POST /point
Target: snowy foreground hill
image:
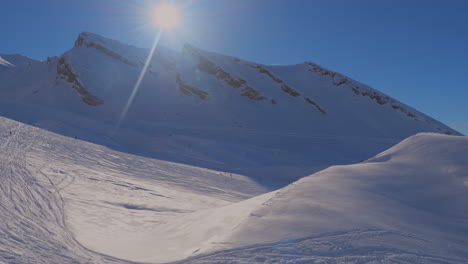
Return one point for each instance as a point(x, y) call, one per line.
point(68, 201)
point(273, 123)
point(211, 164)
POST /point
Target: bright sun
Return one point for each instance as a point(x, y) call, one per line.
point(167, 16)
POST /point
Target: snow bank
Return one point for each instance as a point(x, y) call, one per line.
point(406, 205)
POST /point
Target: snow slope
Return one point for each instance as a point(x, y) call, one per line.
point(32, 226)
point(63, 200)
point(406, 205)
point(52, 185)
point(273, 123)
point(15, 60)
point(214, 136)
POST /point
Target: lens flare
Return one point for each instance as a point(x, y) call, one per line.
point(138, 83)
point(166, 16)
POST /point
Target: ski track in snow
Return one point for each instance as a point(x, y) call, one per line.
point(359, 246)
point(33, 228)
point(64, 200)
point(42, 174)
point(55, 189)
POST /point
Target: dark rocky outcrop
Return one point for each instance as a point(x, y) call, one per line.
point(190, 90)
point(379, 98)
point(312, 102)
point(207, 66)
point(339, 79)
point(286, 88)
point(65, 72)
point(253, 94)
point(81, 41)
point(355, 90)
point(289, 90)
point(267, 72)
point(404, 110)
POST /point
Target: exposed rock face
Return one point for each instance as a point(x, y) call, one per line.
point(339, 79)
point(376, 96)
point(382, 99)
point(286, 88)
point(209, 67)
point(267, 72)
point(312, 102)
point(253, 94)
point(81, 41)
point(289, 90)
point(205, 65)
point(190, 90)
point(65, 72)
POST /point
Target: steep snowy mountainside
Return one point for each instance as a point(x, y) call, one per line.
point(187, 86)
point(210, 110)
point(14, 60)
point(22, 78)
point(5, 63)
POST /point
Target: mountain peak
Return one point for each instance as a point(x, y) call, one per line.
point(307, 96)
point(85, 38)
point(110, 47)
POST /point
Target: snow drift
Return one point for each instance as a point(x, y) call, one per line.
point(406, 205)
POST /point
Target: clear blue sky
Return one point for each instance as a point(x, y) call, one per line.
point(413, 50)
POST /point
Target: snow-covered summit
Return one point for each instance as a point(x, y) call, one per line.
point(213, 106)
point(231, 138)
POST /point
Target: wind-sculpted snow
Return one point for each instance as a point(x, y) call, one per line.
point(406, 205)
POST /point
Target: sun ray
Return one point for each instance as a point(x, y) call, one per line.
point(138, 82)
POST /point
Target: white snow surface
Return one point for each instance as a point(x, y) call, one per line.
point(275, 124)
point(205, 167)
point(3, 62)
point(68, 201)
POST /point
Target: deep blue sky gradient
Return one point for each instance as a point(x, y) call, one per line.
point(415, 50)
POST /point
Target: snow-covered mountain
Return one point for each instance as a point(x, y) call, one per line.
point(68, 201)
point(206, 109)
point(220, 144)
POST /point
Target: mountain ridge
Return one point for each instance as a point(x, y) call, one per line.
point(114, 49)
point(219, 160)
point(248, 115)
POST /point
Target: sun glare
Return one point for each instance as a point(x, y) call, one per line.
point(167, 16)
